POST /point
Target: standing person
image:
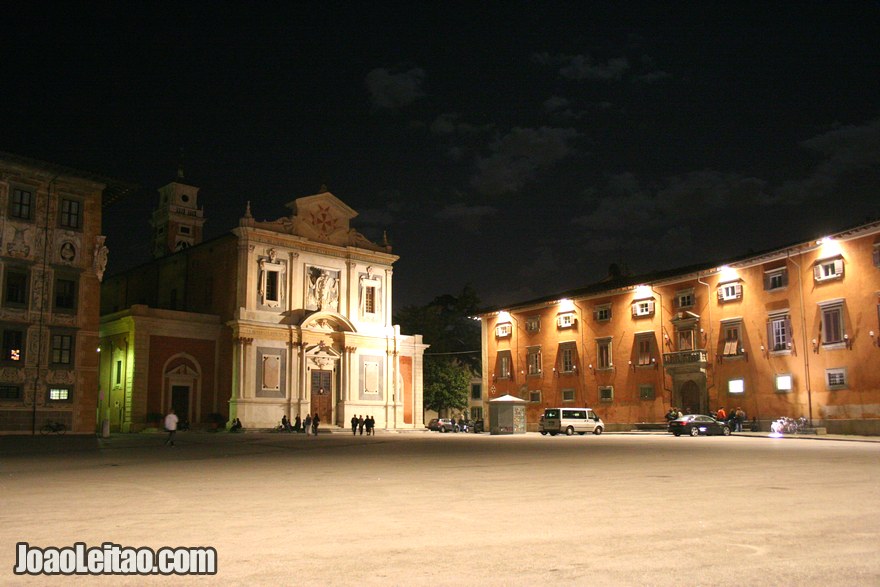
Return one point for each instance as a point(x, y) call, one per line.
point(369, 423)
point(307, 424)
point(738, 418)
point(361, 425)
point(297, 424)
point(721, 415)
point(171, 426)
point(315, 421)
point(354, 424)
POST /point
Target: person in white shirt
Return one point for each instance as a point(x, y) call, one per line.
point(171, 427)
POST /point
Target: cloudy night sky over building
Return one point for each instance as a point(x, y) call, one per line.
point(520, 147)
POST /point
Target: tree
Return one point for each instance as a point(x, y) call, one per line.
point(446, 384)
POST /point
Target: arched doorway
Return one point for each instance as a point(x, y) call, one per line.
point(690, 397)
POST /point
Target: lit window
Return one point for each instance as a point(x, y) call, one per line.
point(13, 344)
point(828, 269)
point(729, 291)
point(502, 330)
point(370, 300)
point(642, 308)
point(736, 386)
point(779, 332)
point(784, 382)
point(59, 394)
point(565, 320)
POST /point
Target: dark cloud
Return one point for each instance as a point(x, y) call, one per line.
point(517, 157)
point(581, 67)
point(395, 90)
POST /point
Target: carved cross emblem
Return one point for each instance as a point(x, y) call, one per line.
point(323, 220)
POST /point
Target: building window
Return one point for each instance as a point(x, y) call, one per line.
point(21, 204)
point(606, 394)
point(16, 289)
point(502, 330)
point(184, 230)
point(828, 269)
point(603, 353)
point(779, 332)
point(602, 313)
point(271, 291)
point(62, 349)
point(684, 298)
point(535, 397)
point(645, 349)
point(533, 360)
point(685, 338)
point(641, 308)
point(504, 366)
point(731, 331)
point(370, 300)
point(835, 378)
point(876, 255)
point(59, 394)
point(10, 392)
point(13, 345)
point(784, 382)
point(65, 294)
point(566, 362)
point(832, 323)
point(736, 386)
point(565, 320)
point(646, 392)
point(476, 391)
point(269, 286)
point(71, 216)
point(776, 278)
point(728, 292)
point(118, 373)
point(476, 413)
point(568, 395)
point(533, 324)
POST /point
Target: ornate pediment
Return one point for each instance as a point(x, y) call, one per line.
point(322, 356)
point(326, 322)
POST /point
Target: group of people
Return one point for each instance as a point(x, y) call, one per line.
point(359, 424)
point(309, 425)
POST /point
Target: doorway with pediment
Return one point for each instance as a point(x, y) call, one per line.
point(322, 380)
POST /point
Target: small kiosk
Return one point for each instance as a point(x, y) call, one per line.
point(507, 415)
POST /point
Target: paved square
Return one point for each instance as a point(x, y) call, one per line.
point(431, 509)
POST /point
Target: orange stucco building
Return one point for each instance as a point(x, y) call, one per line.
point(789, 332)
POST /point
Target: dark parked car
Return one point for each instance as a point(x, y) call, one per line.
point(696, 424)
point(442, 425)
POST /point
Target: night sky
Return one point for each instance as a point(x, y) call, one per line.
point(520, 147)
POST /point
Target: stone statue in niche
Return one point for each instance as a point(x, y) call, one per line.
point(19, 246)
point(323, 289)
point(101, 253)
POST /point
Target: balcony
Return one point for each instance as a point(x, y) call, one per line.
point(694, 358)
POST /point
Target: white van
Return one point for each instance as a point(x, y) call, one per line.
point(571, 420)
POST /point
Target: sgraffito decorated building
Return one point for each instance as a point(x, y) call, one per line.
point(52, 258)
point(279, 318)
point(791, 332)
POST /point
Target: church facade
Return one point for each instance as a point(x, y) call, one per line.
point(275, 318)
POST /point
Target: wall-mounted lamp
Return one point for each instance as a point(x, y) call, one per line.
point(763, 352)
point(590, 367)
point(654, 362)
point(631, 366)
point(555, 372)
point(874, 340)
point(847, 341)
point(815, 346)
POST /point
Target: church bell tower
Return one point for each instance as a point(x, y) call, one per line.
point(177, 221)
